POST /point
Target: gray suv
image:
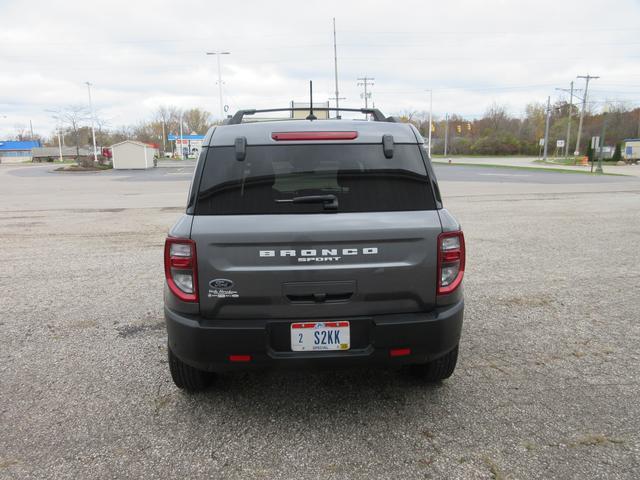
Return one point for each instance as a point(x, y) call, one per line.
point(313, 242)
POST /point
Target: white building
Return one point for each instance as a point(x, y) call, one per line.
point(133, 155)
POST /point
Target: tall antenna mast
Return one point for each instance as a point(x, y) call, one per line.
point(335, 67)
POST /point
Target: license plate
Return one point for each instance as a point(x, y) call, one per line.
point(315, 336)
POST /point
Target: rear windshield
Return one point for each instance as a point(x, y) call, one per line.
point(314, 178)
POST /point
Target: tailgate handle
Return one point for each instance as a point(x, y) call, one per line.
point(320, 297)
point(319, 292)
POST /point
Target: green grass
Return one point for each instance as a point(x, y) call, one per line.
point(558, 161)
point(537, 169)
point(477, 155)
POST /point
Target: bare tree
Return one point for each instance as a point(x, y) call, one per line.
point(497, 117)
point(169, 120)
point(73, 116)
point(21, 131)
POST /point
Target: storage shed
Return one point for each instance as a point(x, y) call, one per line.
point(132, 155)
point(631, 150)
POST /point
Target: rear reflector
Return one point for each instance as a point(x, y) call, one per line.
point(293, 136)
point(239, 358)
point(399, 352)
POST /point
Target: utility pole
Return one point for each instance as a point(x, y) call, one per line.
point(546, 129)
point(93, 130)
point(430, 119)
point(571, 95)
point(446, 133)
point(217, 54)
point(366, 82)
point(587, 77)
point(31, 128)
point(335, 68)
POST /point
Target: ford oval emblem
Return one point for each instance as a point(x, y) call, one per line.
point(221, 284)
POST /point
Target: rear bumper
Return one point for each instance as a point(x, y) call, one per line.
point(206, 344)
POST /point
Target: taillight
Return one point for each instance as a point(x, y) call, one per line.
point(451, 259)
point(181, 268)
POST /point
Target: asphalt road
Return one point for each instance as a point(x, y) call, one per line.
point(547, 383)
point(177, 170)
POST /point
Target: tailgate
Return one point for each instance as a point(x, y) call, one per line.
point(316, 266)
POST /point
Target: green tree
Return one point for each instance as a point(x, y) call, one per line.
point(617, 155)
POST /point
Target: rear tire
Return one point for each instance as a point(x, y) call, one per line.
point(186, 377)
point(438, 369)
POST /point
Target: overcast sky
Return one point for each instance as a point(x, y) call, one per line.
point(143, 54)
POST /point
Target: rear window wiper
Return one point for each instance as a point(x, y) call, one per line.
point(330, 202)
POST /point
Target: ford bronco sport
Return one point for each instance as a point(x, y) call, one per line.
point(313, 242)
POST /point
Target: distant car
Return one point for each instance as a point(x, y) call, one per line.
point(313, 242)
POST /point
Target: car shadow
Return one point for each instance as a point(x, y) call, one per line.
point(313, 396)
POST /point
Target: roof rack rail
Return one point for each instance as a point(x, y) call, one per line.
point(377, 115)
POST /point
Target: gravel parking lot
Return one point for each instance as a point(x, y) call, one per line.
point(547, 384)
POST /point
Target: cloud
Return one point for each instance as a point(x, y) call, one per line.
point(139, 55)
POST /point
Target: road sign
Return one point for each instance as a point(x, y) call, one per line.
point(541, 142)
point(595, 142)
point(559, 143)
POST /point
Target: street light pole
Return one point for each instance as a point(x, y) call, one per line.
point(217, 54)
point(93, 130)
point(181, 140)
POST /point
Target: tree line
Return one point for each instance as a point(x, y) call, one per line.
point(499, 133)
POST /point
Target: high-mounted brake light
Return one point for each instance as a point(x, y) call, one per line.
point(451, 259)
point(181, 268)
point(293, 136)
